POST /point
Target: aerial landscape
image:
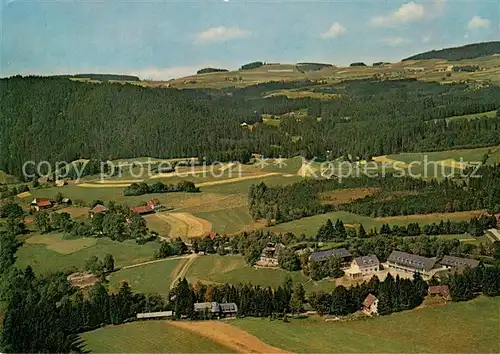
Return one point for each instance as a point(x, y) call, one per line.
point(265, 177)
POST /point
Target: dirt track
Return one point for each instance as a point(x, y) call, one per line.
point(227, 335)
point(237, 179)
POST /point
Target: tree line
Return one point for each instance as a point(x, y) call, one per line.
point(159, 187)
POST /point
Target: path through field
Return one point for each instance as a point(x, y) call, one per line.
point(237, 179)
point(181, 269)
point(227, 335)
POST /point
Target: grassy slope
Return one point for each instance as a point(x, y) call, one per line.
point(228, 221)
point(44, 260)
point(233, 270)
point(458, 327)
point(149, 278)
point(148, 337)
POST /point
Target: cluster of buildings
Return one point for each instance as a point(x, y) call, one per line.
point(151, 206)
point(45, 203)
point(213, 309)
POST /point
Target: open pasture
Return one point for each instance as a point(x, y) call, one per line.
point(472, 328)
point(149, 278)
point(229, 220)
point(233, 269)
point(43, 259)
point(149, 337)
point(57, 243)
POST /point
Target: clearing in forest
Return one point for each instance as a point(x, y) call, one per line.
point(342, 196)
point(227, 335)
point(237, 179)
point(434, 217)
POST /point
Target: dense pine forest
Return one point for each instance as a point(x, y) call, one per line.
point(469, 51)
point(393, 196)
point(56, 119)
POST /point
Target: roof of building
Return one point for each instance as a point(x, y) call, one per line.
point(324, 255)
point(229, 307)
point(411, 260)
point(369, 300)
point(452, 261)
point(99, 208)
point(442, 290)
point(66, 200)
point(272, 249)
point(143, 209)
point(367, 261)
point(202, 306)
point(41, 202)
point(155, 314)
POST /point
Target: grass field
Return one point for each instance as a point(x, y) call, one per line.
point(43, 259)
point(458, 327)
point(149, 337)
point(233, 269)
point(148, 278)
point(472, 116)
point(228, 221)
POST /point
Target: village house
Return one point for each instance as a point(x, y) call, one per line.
point(270, 254)
point(66, 201)
point(411, 263)
point(41, 204)
point(60, 183)
point(441, 291)
point(150, 207)
point(341, 253)
point(215, 308)
point(454, 262)
point(370, 305)
point(98, 209)
point(363, 266)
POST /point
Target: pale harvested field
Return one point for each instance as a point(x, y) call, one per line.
point(104, 185)
point(23, 195)
point(459, 215)
point(454, 164)
point(56, 244)
point(185, 225)
point(388, 161)
point(237, 179)
point(121, 181)
point(227, 335)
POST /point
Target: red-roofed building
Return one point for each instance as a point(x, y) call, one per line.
point(212, 235)
point(148, 208)
point(98, 209)
point(441, 291)
point(370, 305)
point(41, 203)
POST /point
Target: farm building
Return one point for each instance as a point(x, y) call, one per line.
point(41, 204)
point(362, 266)
point(155, 315)
point(452, 262)
point(411, 263)
point(341, 253)
point(269, 255)
point(215, 308)
point(67, 201)
point(150, 207)
point(98, 209)
point(370, 305)
point(60, 183)
point(440, 291)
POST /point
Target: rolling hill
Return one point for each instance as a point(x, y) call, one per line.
point(469, 51)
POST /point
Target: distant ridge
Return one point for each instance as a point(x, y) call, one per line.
point(102, 77)
point(469, 51)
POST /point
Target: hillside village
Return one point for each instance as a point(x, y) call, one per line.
point(274, 208)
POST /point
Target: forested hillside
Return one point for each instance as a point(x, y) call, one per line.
point(469, 51)
point(57, 119)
